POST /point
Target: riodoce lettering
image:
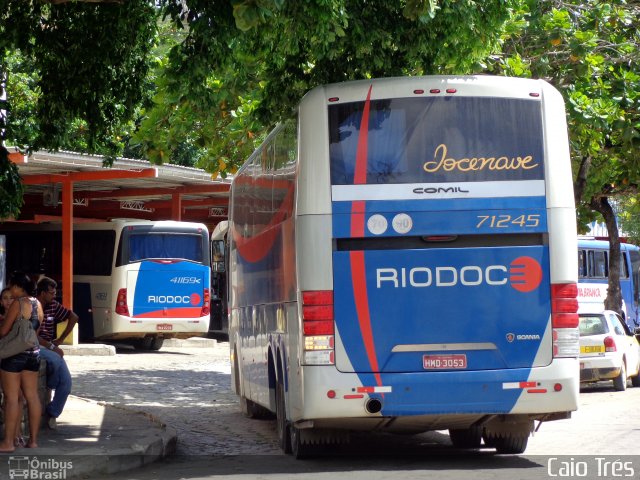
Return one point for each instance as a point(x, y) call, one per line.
point(442, 162)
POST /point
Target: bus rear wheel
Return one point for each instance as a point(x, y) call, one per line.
point(299, 449)
point(282, 425)
point(466, 437)
point(156, 343)
point(511, 443)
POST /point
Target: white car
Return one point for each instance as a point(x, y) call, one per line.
point(608, 350)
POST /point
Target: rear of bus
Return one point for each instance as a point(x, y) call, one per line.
point(449, 227)
point(161, 281)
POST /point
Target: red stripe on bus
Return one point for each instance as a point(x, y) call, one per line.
point(172, 312)
point(358, 271)
point(256, 247)
point(360, 174)
point(361, 298)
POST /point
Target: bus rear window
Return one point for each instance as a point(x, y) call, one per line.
point(439, 139)
point(164, 246)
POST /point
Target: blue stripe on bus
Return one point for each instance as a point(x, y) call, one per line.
point(464, 222)
point(419, 299)
point(375, 206)
point(169, 286)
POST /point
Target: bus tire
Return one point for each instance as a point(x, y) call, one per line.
point(620, 382)
point(466, 437)
point(156, 343)
point(489, 441)
point(143, 343)
point(511, 443)
point(299, 449)
point(282, 425)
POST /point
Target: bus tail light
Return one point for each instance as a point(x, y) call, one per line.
point(206, 305)
point(318, 328)
point(564, 320)
point(609, 344)
point(121, 303)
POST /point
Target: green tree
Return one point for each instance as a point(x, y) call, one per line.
point(86, 65)
point(238, 67)
point(590, 50)
point(245, 64)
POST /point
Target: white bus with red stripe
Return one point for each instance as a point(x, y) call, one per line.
point(402, 258)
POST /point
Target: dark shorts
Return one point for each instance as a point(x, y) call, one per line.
point(29, 361)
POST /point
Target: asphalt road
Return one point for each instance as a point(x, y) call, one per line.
point(189, 389)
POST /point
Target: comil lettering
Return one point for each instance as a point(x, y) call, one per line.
point(169, 299)
point(444, 163)
point(442, 276)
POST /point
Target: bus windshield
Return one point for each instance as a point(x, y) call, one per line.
point(164, 245)
point(438, 139)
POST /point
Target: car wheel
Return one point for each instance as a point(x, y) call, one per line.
point(620, 382)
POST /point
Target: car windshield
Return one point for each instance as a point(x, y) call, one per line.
point(593, 325)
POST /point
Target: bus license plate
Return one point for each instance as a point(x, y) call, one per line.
point(444, 362)
point(164, 326)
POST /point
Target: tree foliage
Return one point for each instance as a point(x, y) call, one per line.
point(590, 50)
point(245, 64)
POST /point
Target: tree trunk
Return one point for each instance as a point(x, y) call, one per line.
point(581, 179)
point(614, 295)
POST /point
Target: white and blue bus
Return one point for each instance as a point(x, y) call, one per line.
point(593, 278)
point(136, 281)
point(402, 259)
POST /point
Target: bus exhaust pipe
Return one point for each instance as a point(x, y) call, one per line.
point(373, 405)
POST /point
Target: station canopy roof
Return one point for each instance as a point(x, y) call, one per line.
point(129, 189)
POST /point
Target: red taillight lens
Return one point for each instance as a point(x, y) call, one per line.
point(610, 344)
point(317, 312)
point(317, 297)
point(321, 327)
point(564, 305)
point(564, 290)
point(206, 305)
point(565, 320)
point(121, 303)
point(318, 327)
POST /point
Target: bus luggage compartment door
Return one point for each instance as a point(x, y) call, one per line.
point(442, 309)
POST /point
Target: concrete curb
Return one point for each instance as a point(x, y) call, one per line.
point(89, 349)
point(129, 442)
point(195, 342)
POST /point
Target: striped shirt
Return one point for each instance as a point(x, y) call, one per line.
point(54, 313)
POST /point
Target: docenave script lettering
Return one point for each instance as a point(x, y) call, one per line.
point(447, 164)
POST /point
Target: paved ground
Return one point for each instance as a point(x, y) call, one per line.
point(189, 389)
point(186, 388)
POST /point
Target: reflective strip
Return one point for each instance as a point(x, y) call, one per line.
point(434, 191)
point(512, 385)
point(373, 389)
